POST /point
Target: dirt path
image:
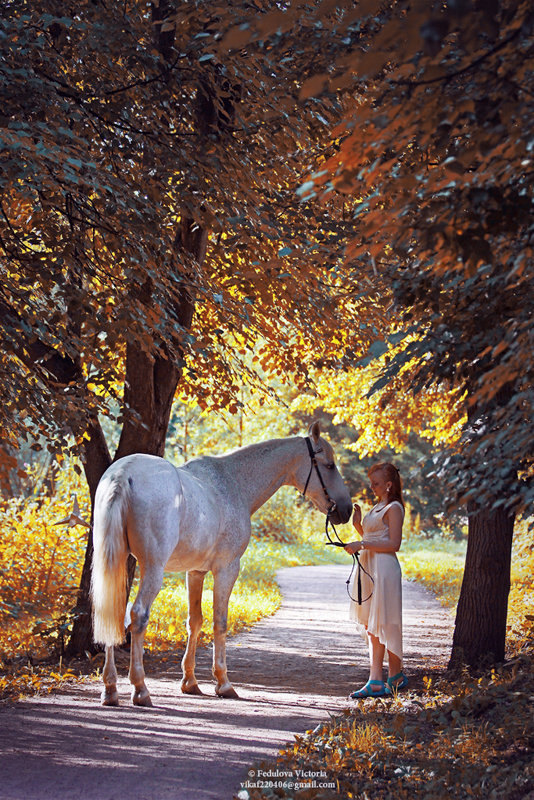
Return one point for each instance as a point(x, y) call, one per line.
point(290, 670)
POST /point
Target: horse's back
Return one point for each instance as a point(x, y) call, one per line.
point(150, 489)
point(173, 515)
point(140, 465)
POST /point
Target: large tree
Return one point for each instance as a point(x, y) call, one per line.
point(148, 220)
point(436, 153)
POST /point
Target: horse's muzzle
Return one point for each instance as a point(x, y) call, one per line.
point(341, 513)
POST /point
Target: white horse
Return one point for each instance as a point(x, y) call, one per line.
point(194, 518)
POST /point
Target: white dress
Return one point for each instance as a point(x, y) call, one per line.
point(381, 613)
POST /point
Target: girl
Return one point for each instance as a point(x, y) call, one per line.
point(380, 615)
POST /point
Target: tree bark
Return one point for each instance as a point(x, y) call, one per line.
point(480, 629)
point(150, 384)
point(96, 460)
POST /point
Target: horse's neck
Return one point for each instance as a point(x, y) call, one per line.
point(261, 469)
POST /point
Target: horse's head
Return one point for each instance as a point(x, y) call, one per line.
point(324, 484)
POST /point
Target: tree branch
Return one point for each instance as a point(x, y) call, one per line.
point(449, 76)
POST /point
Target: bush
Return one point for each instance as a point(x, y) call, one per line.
point(40, 569)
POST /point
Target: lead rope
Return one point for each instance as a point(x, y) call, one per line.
point(339, 542)
point(355, 559)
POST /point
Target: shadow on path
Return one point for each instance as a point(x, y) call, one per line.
point(291, 670)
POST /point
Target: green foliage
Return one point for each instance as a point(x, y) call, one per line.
point(433, 155)
point(149, 211)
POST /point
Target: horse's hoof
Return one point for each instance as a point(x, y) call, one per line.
point(141, 699)
point(194, 688)
point(109, 698)
point(229, 694)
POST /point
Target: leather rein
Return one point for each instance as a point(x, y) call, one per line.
point(337, 542)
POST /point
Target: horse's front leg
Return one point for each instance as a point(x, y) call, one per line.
point(195, 582)
point(149, 586)
point(223, 583)
point(110, 696)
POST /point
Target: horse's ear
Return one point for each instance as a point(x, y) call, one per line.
point(314, 431)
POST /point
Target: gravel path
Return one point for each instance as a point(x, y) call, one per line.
point(291, 670)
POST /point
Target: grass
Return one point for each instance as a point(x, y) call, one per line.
point(437, 564)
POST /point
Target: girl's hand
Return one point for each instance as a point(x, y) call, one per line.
point(357, 516)
point(353, 547)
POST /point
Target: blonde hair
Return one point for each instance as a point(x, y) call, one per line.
point(391, 473)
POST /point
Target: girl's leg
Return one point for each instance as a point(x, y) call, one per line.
point(396, 679)
point(375, 686)
point(394, 664)
point(376, 657)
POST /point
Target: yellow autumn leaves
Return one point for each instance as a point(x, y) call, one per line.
point(40, 568)
point(387, 416)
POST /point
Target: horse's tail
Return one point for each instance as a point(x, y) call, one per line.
point(110, 553)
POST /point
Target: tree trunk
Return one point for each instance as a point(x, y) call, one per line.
point(151, 379)
point(150, 384)
point(96, 460)
point(480, 629)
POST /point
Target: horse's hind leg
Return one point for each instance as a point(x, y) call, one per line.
point(195, 582)
point(150, 584)
point(223, 583)
point(110, 696)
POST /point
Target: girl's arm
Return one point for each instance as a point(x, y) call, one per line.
point(357, 519)
point(353, 547)
point(390, 544)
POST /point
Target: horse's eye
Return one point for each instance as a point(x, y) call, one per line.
point(330, 466)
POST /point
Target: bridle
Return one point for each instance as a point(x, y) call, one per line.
point(337, 542)
point(313, 464)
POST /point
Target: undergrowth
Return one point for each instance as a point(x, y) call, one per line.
point(28, 679)
point(467, 738)
point(437, 564)
point(40, 569)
